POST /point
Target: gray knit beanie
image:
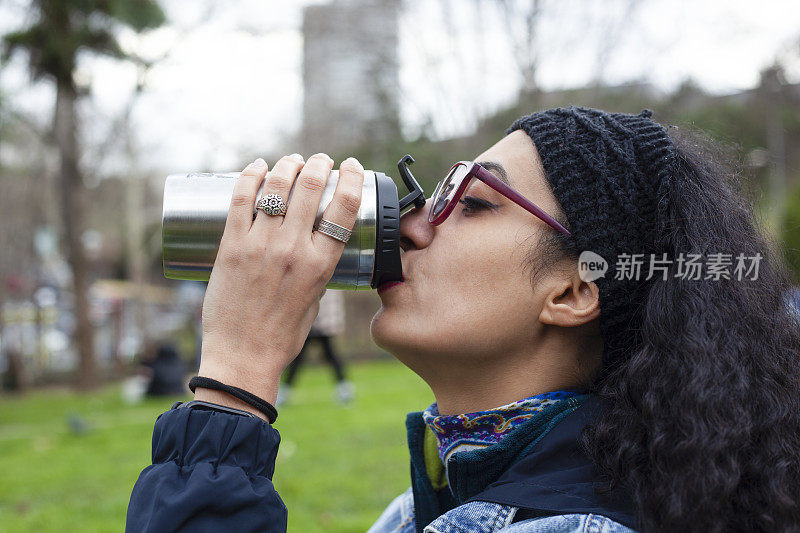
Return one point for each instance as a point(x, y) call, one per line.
point(610, 173)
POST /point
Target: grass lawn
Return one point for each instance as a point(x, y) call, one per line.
point(337, 467)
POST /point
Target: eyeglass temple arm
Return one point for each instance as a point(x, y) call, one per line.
point(497, 184)
point(417, 195)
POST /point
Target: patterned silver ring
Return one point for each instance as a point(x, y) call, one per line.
point(272, 204)
point(334, 230)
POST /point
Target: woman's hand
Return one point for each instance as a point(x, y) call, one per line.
point(264, 290)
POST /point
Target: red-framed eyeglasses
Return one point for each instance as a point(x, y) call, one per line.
point(449, 191)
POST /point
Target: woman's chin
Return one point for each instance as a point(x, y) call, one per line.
point(386, 332)
point(377, 326)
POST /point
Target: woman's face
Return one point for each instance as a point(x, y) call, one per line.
point(468, 290)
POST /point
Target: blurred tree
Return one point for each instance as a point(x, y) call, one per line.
point(772, 103)
point(59, 32)
point(3, 128)
point(524, 21)
point(524, 16)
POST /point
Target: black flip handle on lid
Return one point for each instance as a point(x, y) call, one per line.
point(417, 195)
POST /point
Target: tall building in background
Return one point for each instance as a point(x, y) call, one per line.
point(350, 74)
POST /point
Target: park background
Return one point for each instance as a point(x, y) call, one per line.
point(101, 99)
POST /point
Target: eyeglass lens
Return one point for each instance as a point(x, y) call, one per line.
point(446, 190)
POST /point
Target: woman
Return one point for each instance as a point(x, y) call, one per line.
point(655, 402)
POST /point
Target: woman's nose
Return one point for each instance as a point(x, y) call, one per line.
point(415, 231)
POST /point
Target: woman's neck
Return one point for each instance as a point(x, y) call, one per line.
point(467, 383)
point(469, 387)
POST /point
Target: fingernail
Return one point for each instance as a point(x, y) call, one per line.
point(354, 163)
point(260, 162)
point(298, 157)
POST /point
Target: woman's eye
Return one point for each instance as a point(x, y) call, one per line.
point(472, 204)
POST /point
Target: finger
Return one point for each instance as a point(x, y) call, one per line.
point(307, 193)
point(343, 209)
point(278, 181)
point(240, 213)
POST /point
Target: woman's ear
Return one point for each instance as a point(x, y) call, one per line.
point(571, 302)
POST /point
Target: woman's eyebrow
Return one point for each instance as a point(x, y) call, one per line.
point(497, 169)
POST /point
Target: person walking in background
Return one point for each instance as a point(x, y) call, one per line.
point(329, 322)
point(167, 372)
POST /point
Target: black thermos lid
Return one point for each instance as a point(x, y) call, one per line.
point(387, 232)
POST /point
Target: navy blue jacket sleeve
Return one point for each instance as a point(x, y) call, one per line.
point(211, 471)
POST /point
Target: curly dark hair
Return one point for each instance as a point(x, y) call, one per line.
point(703, 429)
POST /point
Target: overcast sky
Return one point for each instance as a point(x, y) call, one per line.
point(231, 85)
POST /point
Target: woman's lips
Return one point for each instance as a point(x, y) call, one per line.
point(386, 285)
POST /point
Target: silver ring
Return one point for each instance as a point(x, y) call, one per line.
point(334, 230)
point(272, 204)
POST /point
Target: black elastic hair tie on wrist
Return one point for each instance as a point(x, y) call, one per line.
point(247, 397)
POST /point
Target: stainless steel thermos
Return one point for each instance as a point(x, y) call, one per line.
point(196, 207)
